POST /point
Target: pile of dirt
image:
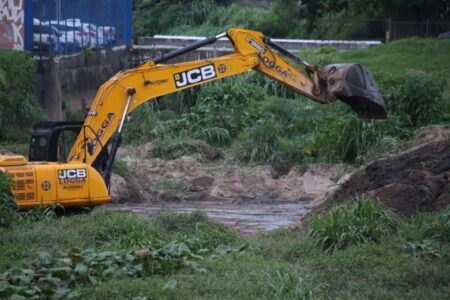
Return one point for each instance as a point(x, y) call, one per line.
point(259, 183)
point(417, 179)
point(221, 180)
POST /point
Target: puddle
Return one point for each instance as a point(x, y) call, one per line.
point(244, 217)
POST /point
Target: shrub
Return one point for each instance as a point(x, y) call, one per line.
point(343, 137)
point(432, 226)
point(121, 167)
point(358, 222)
point(259, 142)
point(18, 106)
point(7, 204)
point(419, 99)
point(56, 276)
point(346, 137)
point(290, 285)
point(193, 17)
point(173, 148)
point(139, 129)
point(196, 230)
point(231, 104)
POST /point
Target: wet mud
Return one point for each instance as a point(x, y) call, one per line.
point(247, 218)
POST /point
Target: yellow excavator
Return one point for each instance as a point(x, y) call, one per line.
point(70, 163)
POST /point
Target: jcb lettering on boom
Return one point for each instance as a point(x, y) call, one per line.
point(193, 76)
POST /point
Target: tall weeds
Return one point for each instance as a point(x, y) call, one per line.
point(7, 204)
point(360, 221)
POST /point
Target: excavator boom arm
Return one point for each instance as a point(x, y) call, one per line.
point(125, 91)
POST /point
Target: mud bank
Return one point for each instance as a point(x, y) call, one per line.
point(417, 179)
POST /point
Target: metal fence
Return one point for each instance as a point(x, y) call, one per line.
point(378, 29)
point(64, 27)
point(398, 29)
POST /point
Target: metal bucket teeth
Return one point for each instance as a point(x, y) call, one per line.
point(354, 85)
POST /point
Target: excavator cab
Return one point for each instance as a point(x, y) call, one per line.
point(52, 141)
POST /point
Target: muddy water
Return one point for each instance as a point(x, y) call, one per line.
point(244, 216)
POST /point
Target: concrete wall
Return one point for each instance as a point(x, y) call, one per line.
point(67, 85)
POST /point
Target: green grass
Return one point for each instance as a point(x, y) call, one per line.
point(282, 264)
point(392, 61)
point(358, 222)
point(398, 57)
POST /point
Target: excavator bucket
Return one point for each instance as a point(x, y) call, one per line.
point(354, 85)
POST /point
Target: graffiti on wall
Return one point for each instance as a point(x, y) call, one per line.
point(12, 24)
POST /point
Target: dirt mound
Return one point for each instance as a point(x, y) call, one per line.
point(224, 180)
point(417, 179)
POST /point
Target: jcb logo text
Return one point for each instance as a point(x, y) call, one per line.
point(72, 173)
point(72, 176)
point(193, 76)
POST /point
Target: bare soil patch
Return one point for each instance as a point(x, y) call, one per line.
point(417, 179)
point(247, 198)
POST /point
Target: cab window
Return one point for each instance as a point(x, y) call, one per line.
point(66, 139)
point(38, 148)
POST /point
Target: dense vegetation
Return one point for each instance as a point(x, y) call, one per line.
point(256, 119)
point(18, 106)
point(361, 250)
point(343, 19)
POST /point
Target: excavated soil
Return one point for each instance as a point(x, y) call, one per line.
point(248, 199)
point(254, 198)
point(417, 179)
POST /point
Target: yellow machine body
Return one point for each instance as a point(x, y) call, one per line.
point(35, 184)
